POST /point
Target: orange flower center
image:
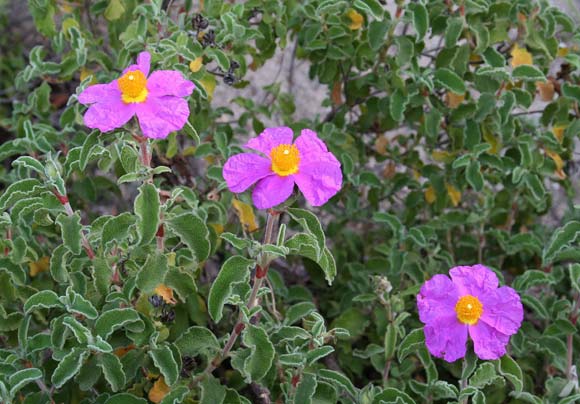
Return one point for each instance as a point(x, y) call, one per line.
point(133, 86)
point(285, 159)
point(468, 309)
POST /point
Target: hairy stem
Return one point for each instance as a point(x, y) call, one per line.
point(259, 275)
point(574, 315)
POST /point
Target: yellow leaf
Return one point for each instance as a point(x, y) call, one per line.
point(219, 228)
point(390, 170)
point(492, 140)
point(520, 56)
point(122, 351)
point(430, 196)
point(246, 215)
point(442, 156)
point(39, 266)
point(546, 90)
point(196, 64)
point(86, 73)
point(454, 194)
point(563, 51)
point(208, 82)
point(159, 390)
point(454, 100)
point(558, 162)
point(356, 20)
point(166, 293)
point(558, 132)
point(381, 145)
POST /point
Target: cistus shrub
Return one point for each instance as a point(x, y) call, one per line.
point(391, 219)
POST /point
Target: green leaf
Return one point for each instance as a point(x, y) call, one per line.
point(235, 270)
point(372, 7)
point(82, 333)
point(147, 210)
point(196, 341)
point(420, 20)
point(305, 389)
point(306, 245)
point(390, 341)
point(314, 355)
point(377, 32)
point(125, 398)
point(153, 272)
point(71, 229)
point(102, 274)
point(176, 395)
point(23, 377)
point(484, 375)
point(112, 370)
point(212, 392)
point(117, 228)
point(571, 91)
point(338, 379)
point(166, 363)
point(310, 224)
point(58, 265)
point(68, 367)
point(258, 363)
point(112, 320)
point(45, 299)
point(510, 369)
point(220, 58)
point(450, 80)
point(453, 31)
point(528, 73)
point(114, 10)
point(473, 175)
point(412, 341)
point(392, 395)
point(562, 238)
point(30, 163)
point(193, 232)
point(87, 148)
point(397, 104)
point(78, 304)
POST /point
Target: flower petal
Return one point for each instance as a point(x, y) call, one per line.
point(159, 117)
point(488, 343)
point(243, 170)
point(319, 181)
point(312, 148)
point(108, 115)
point(476, 280)
point(100, 93)
point(270, 138)
point(503, 310)
point(272, 191)
point(437, 299)
point(169, 82)
point(143, 64)
point(446, 338)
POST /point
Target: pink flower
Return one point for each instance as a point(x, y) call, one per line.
point(306, 163)
point(157, 100)
point(470, 303)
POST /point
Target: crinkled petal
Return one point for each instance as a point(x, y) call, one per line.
point(446, 338)
point(319, 181)
point(270, 138)
point(108, 115)
point(243, 170)
point(272, 191)
point(503, 310)
point(312, 148)
point(169, 82)
point(100, 93)
point(476, 280)
point(488, 343)
point(158, 117)
point(143, 64)
point(437, 299)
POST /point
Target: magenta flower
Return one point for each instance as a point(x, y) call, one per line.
point(306, 163)
point(156, 100)
point(469, 302)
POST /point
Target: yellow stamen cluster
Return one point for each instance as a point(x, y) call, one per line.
point(133, 86)
point(469, 309)
point(285, 159)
